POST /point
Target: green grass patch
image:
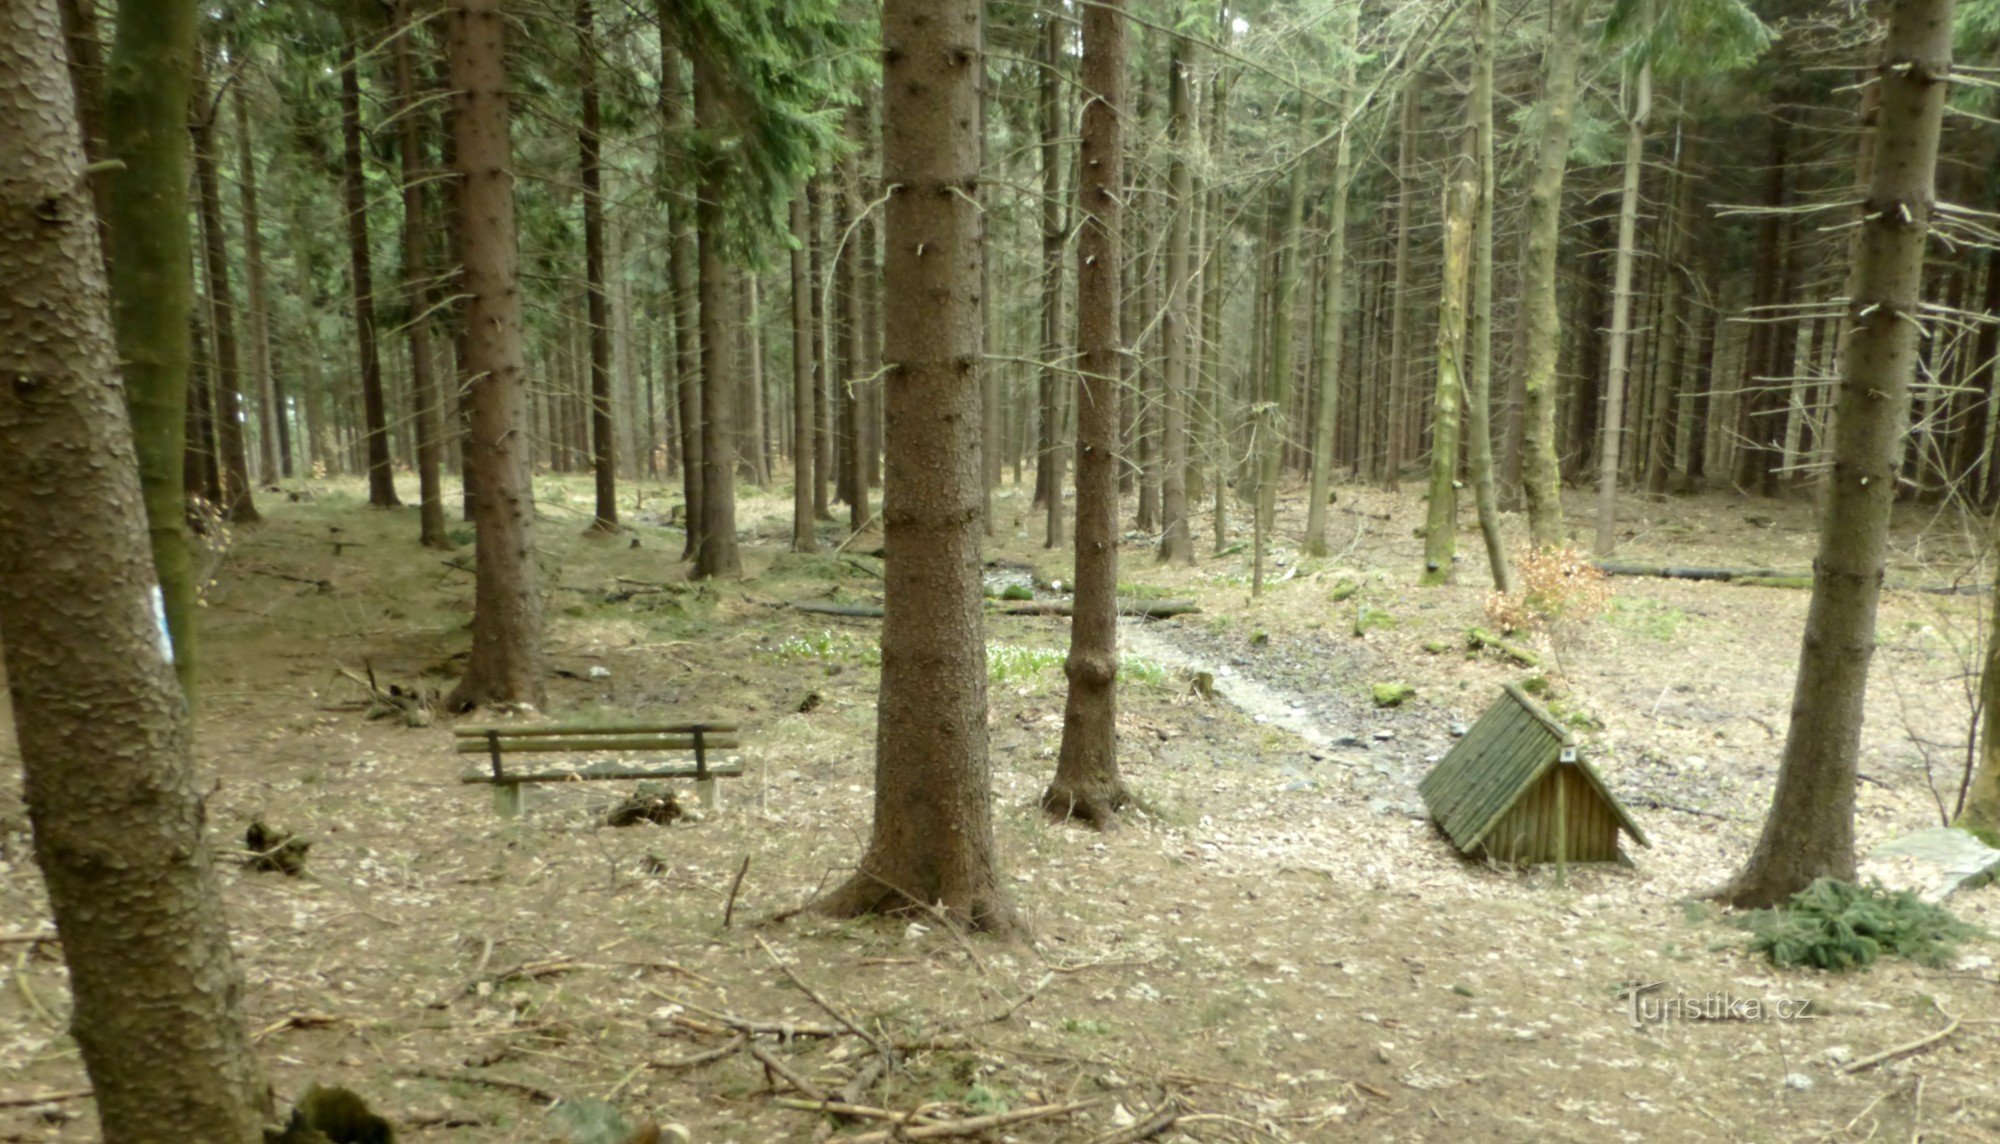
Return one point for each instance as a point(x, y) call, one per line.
point(1643, 617)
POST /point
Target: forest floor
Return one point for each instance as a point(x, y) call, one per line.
point(1279, 942)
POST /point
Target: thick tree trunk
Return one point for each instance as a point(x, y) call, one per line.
point(590, 169)
point(1087, 785)
point(1176, 539)
point(429, 413)
point(1810, 830)
point(113, 798)
point(932, 845)
point(237, 491)
point(1541, 474)
point(1618, 379)
point(381, 478)
point(506, 661)
point(1441, 521)
point(146, 104)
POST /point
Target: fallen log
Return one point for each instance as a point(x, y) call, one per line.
point(1478, 638)
point(1143, 609)
point(1673, 572)
point(856, 611)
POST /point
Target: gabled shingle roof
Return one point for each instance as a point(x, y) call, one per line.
point(1505, 754)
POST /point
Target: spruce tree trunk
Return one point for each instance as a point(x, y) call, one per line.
point(429, 413)
point(112, 794)
point(932, 844)
point(1479, 324)
point(1332, 329)
point(590, 169)
point(1176, 540)
point(1389, 410)
point(823, 472)
point(1541, 474)
point(253, 275)
point(1441, 521)
point(803, 375)
point(1810, 830)
point(1277, 395)
point(717, 554)
point(1087, 785)
point(147, 93)
point(1619, 376)
point(506, 661)
point(1215, 434)
point(1664, 437)
point(686, 305)
point(1049, 473)
point(381, 477)
point(234, 461)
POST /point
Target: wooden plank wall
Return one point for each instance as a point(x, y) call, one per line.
point(1527, 833)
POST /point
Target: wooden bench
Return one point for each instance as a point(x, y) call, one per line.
point(496, 743)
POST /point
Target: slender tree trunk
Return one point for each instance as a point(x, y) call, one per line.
point(1278, 386)
point(1087, 785)
point(1619, 377)
point(1810, 830)
point(803, 384)
point(1049, 475)
point(1215, 436)
point(1400, 318)
point(1441, 523)
point(1756, 428)
point(1332, 330)
point(506, 661)
point(590, 168)
point(112, 794)
point(1479, 325)
point(381, 478)
point(1541, 475)
point(1176, 539)
point(717, 555)
point(237, 499)
point(822, 473)
point(687, 335)
point(1664, 438)
point(932, 845)
point(416, 289)
point(253, 273)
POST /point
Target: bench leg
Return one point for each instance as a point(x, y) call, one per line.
point(507, 799)
point(709, 793)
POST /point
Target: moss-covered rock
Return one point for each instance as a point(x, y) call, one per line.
point(1368, 618)
point(1393, 694)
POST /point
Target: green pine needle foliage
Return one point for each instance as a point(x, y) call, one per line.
point(1839, 926)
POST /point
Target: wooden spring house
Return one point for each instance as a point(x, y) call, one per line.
point(1515, 790)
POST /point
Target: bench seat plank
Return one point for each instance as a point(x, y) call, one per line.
point(550, 745)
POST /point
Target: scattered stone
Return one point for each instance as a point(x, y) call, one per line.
point(1384, 735)
point(1935, 863)
point(599, 671)
point(1459, 730)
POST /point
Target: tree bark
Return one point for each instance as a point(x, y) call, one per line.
point(381, 478)
point(253, 274)
point(146, 103)
point(1441, 521)
point(932, 845)
point(590, 168)
point(1176, 538)
point(1479, 324)
point(1278, 380)
point(237, 492)
point(803, 378)
point(1087, 786)
point(717, 554)
point(424, 397)
point(1618, 379)
point(1055, 227)
point(1672, 342)
point(1388, 410)
point(1810, 830)
point(686, 301)
point(506, 661)
point(113, 798)
point(1541, 474)
point(1332, 329)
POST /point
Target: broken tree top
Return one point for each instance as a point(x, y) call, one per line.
point(1514, 790)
